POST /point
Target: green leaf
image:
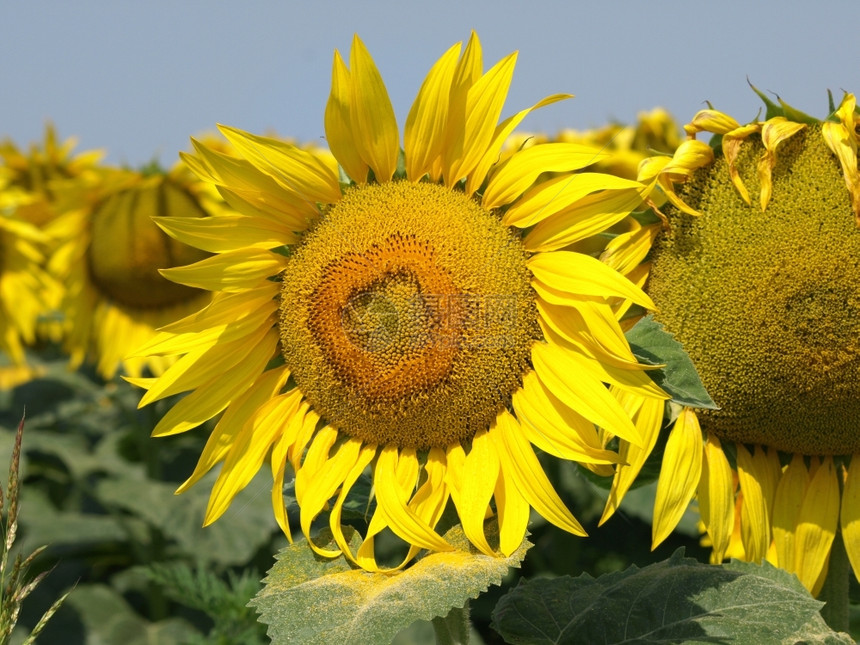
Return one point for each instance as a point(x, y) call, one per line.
point(677, 600)
point(653, 345)
point(232, 540)
point(108, 618)
point(314, 601)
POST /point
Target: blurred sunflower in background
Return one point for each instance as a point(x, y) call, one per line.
point(29, 182)
point(24, 289)
point(420, 317)
point(109, 259)
point(755, 271)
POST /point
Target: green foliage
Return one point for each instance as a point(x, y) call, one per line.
point(225, 601)
point(100, 491)
point(314, 601)
point(653, 345)
point(674, 601)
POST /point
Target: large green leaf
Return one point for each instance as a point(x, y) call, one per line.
point(315, 601)
point(653, 345)
point(677, 600)
point(108, 619)
point(232, 539)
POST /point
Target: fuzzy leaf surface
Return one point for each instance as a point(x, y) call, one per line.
point(677, 600)
point(312, 600)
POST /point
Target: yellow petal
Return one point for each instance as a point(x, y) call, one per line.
point(503, 131)
point(248, 450)
point(557, 195)
point(480, 472)
point(585, 395)
point(216, 394)
point(338, 126)
point(583, 275)
point(519, 460)
point(679, 475)
point(226, 232)
point(424, 135)
point(484, 102)
point(513, 511)
point(230, 424)
point(816, 524)
point(371, 114)
point(712, 121)
point(757, 475)
point(194, 369)
point(717, 497)
point(362, 461)
point(519, 172)
point(850, 515)
point(648, 418)
point(773, 132)
point(786, 507)
point(225, 318)
point(231, 271)
point(326, 480)
point(556, 429)
point(391, 491)
point(295, 169)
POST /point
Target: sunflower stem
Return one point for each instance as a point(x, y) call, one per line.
point(835, 590)
point(453, 629)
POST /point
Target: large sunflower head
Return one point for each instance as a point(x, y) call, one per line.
point(421, 319)
point(110, 258)
point(756, 273)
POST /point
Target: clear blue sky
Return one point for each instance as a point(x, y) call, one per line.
point(138, 78)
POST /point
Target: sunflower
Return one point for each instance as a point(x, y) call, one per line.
point(399, 320)
point(28, 179)
point(23, 289)
point(756, 274)
point(109, 258)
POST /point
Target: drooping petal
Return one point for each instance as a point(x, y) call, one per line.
point(513, 511)
point(816, 525)
point(717, 497)
point(773, 132)
point(647, 418)
point(849, 517)
point(586, 396)
point(519, 460)
point(392, 491)
point(249, 449)
point(326, 480)
point(757, 474)
point(786, 507)
point(480, 472)
point(679, 475)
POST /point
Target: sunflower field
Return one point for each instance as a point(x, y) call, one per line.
point(440, 381)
